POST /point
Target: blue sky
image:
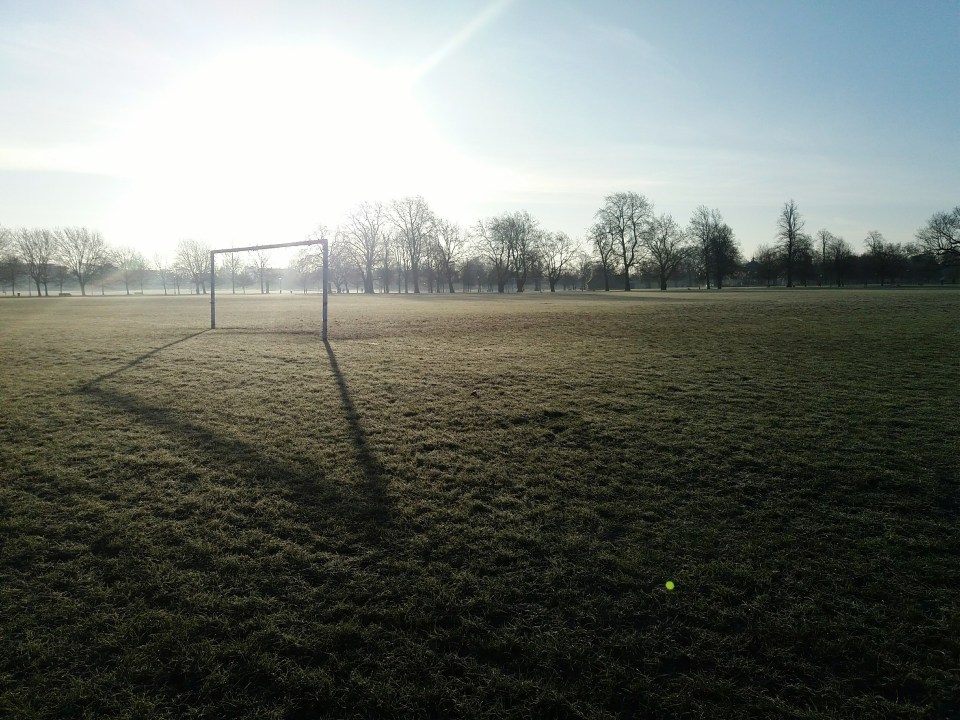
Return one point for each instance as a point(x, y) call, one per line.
point(245, 122)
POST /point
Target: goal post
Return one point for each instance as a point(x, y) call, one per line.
point(326, 279)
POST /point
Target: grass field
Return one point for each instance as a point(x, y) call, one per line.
point(469, 506)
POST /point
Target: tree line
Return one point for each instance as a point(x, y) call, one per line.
point(404, 246)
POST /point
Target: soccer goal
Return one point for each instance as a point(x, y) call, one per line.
point(213, 274)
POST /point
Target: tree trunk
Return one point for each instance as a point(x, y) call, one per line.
point(663, 281)
point(789, 262)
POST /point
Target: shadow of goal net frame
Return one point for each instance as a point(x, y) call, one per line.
point(326, 291)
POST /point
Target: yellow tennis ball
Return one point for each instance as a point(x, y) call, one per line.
point(669, 585)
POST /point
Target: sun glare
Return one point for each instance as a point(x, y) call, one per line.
point(257, 137)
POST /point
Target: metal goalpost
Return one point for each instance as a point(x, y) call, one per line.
point(322, 242)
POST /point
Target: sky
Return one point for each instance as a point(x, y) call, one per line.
point(237, 122)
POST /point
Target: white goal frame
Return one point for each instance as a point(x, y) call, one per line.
point(322, 241)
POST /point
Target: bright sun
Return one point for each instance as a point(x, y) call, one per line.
point(260, 134)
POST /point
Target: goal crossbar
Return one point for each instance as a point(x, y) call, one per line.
point(213, 293)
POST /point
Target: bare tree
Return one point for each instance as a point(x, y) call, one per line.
point(704, 224)
point(584, 268)
point(824, 240)
point(667, 245)
point(193, 260)
point(8, 257)
point(11, 266)
point(83, 252)
point(162, 270)
point(141, 270)
point(626, 216)
point(601, 240)
point(403, 264)
point(941, 237)
point(840, 255)
point(60, 275)
point(725, 254)
point(176, 277)
point(767, 264)
point(472, 271)
point(879, 253)
point(388, 261)
point(790, 226)
point(309, 261)
point(243, 278)
point(493, 245)
point(343, 268)
point(449, 242)
point(233, 264)
point(413, 220)
point(558, 253)
point(105, 274)
point(260, 265)
point(308, 265)
point(510, 242)
point(37, 248)
point(432, 269)
point(522, 236)
point(361, 236)
point(804, 267)
point(130, 263)
point(716, 247)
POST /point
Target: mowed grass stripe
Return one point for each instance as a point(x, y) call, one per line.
point(469, 506)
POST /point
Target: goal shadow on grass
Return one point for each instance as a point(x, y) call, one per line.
point(246, 458)
point(247, 461)
point(373, 472)
point(137, 360)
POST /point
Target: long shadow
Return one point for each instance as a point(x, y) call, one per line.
point(136, 361)
point(248, 458)
point(373, 472)
point(250, 463)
